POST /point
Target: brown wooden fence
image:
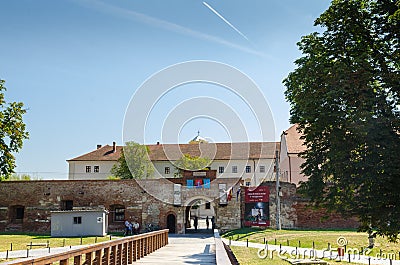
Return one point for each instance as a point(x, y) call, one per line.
point(121, 251)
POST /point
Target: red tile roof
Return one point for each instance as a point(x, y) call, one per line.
point(293, 142)
point(222, 151)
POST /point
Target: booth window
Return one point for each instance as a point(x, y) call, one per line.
point(77, 220)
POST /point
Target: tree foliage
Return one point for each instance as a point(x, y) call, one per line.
point(134, 163)
point(344, 94)
point(12, 133)
point(191, 163)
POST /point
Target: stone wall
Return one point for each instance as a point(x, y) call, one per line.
point(297, 212)
point(148, 203)
point(308, 217)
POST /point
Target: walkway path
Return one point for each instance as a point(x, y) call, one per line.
point(184, 249)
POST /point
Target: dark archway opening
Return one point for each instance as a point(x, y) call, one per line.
point(171, 223)
point(198, 216)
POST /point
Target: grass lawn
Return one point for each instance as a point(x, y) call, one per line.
point(320, 238)
point(248, 256)
point(20, 241)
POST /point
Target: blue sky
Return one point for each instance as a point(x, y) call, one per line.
point(76, 64)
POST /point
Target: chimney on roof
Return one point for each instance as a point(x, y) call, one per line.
point(114, 147)
point(98, 146)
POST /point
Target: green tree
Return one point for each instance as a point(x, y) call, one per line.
point(344, 94)
point(191, 163)
point(134, 163)
point(22, 177)
point(12, 133)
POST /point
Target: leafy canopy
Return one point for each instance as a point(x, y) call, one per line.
point(134, 163)
point(12, 133)
point(191, 163)
point(344, 94)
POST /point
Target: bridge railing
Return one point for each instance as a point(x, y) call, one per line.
point(121, 251)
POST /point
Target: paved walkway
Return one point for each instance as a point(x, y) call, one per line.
point(184, 249)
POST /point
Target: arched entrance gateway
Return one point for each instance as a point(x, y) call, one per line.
point(199, 197)
point(199, 215)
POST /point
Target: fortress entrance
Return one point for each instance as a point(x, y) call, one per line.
point(199, 212)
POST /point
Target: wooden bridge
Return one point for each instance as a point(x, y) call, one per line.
point(121, 251)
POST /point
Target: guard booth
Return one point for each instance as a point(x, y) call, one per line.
point(79, 223)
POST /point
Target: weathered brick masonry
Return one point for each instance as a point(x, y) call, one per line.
point(38, 198)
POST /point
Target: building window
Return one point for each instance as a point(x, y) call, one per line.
point(77, 220)
point(221, 170)
point(167, 170)
point(234, 169)
point(96, 169)
point(67, 205)
point(88, 169)
point(248, 169)
point(248, 183)
point(208, 206)
point(262, 169)
point(118, 213)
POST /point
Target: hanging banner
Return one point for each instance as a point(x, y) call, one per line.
point(177, 194)
point(222, 194)
point(257, 206)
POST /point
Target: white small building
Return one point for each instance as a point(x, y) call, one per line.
point(79, 223)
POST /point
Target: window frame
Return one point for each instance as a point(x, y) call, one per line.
point(167, 170)
point(248, 169)
point(88, 169)
point(262, 169)
point(221, 169)
point(77, 220)
point(96, 169)
point(234, 169)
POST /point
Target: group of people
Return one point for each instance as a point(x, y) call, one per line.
point(131, 228)
point(196, 222)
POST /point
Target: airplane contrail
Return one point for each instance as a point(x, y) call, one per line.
point(225, 20)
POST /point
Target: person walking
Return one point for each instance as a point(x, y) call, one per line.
point(196, 223)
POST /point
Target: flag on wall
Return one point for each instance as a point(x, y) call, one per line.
point(206, 183)
point(237, 194)
point(189, 183)
point(230, 193)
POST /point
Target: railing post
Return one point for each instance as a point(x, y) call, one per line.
point(78, 260)
point(113, 260)
point(135, 250)
point(89, 258)
point(119, 254)
point(130, 251)
point(106, 255)
point(97, 260)
point(125, 253)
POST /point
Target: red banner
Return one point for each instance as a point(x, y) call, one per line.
point(259, 194)
point(257, 206)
